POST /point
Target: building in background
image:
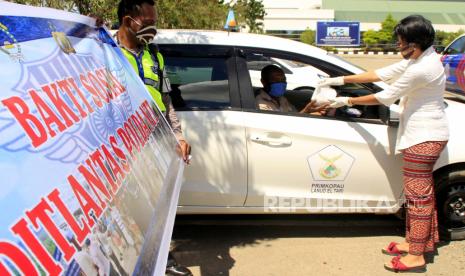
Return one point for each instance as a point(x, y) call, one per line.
point(292, 17)
point(446, 15)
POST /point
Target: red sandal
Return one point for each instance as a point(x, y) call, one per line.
point(398, 266)
point(392, 250)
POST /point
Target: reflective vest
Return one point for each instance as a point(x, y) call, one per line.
point(148, 72)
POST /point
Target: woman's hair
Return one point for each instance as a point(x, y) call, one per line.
point(416, 29)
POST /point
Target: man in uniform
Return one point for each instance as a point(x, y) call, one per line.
point(137, 29)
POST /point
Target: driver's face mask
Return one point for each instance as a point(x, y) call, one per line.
point(277, 89)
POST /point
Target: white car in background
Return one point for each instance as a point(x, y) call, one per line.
point(250, 161)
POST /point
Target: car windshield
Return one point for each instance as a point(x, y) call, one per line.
point(340, 58)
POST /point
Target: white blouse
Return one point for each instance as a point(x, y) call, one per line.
point(420, 86)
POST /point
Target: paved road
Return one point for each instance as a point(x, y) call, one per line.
point(298, 245)
point(301, 245)
point(372, 62)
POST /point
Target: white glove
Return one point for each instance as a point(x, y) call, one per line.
point(339, 102)
point(331, 82)
point(323, 95)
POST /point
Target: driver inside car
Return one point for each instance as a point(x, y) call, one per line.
point(272, 98)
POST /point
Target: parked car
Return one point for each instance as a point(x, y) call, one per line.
point(251, 161)
point(454, 62)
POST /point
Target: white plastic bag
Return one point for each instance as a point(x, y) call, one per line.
point(323, 95)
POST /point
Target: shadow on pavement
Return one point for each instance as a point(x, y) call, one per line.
point(205, 241)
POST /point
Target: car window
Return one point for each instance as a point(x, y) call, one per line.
point(299, 75)
point(457, 47)
point(198, 82)
point(256, 62)
point(301, 85)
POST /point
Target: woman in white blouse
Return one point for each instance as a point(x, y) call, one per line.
point(418, 82)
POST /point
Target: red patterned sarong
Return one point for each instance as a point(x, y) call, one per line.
point(421, 220)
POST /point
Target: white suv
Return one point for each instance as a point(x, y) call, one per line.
point(251, 161)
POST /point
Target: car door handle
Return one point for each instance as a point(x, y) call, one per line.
point(272, 139)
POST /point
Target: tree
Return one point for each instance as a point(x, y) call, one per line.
point(105, 9)
point(181, 14)
point(370, 37)
point(252, 12)
point(384, 36)
point(56, 4)
point(445, 38)
point(387, 28)
point(191, 14)
point(308, 36)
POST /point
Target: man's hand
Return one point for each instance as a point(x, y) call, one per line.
point(98, 20)
point(184, 149)
point(339, 102)
point(312, 107)
point(338, 81)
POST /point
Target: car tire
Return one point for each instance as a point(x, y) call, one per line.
point(451, 205)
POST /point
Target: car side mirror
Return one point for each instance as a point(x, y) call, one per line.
point(439, 49)
point(394, 115)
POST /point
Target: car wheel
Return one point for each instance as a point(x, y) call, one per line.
point(451, 205)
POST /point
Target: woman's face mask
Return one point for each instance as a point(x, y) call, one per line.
point(405, 49)
point(146, 34)
point(277, 89)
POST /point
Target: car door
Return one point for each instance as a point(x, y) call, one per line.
point(312, 163)
point(454, 64)
point(205, 95)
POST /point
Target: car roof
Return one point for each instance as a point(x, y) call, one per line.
point(202, 37)
point(223, 38)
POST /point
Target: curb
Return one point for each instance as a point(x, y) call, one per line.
point(364, 53)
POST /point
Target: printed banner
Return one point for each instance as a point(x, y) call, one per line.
point(339, 33)
point(90, 175)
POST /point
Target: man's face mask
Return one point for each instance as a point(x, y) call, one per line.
point(277, 89)
point(146, 34)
